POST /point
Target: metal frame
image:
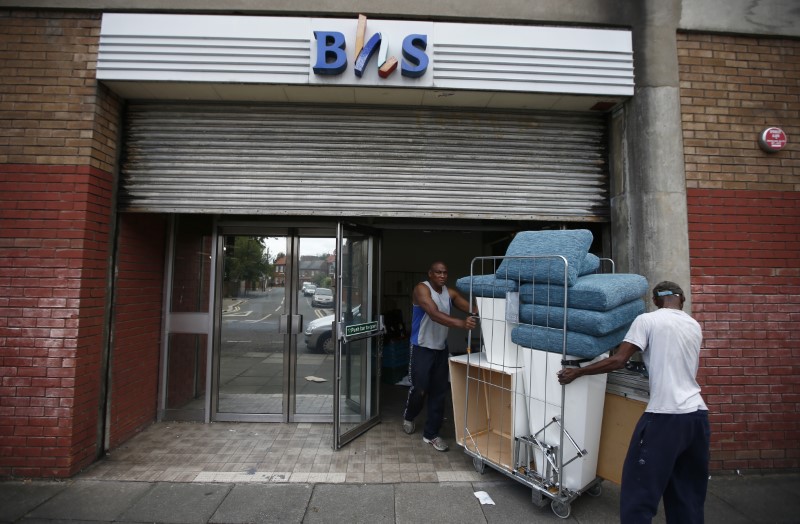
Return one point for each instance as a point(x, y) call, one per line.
point(550, 485)
point(294, 236)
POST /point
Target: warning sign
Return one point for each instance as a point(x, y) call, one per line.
point(772, 139)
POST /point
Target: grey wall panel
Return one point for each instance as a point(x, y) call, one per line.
point(612, 13)
point(365, 161)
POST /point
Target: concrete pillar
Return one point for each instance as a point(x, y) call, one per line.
point(648, 204)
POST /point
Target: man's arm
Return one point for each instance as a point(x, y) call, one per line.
point(422, 298)
point(462, 303)
point(616, 361)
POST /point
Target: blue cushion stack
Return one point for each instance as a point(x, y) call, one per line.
point(599, 308)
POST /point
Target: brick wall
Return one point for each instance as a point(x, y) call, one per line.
point(57, 148)
point(744, 233)
point(137, 325)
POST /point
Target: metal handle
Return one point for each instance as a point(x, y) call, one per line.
point(290, 324)
point(297, 323)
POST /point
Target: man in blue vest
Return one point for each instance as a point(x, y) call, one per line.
point(430, 323)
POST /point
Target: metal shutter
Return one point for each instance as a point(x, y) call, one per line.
point(365, 161)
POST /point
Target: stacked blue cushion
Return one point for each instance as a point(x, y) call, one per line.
point(490, 286)
point(590, 264)
point(601, 292)
point(600, 307)
point(578, 344)
point(560, 255)
point(487, 286)
point(586, 321)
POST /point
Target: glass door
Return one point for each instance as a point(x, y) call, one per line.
point(359, 331)
point(311, 366)
point(272, 363)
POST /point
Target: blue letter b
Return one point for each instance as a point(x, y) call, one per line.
point(331, 58)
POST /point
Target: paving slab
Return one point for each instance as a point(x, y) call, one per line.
point(442, 502)
point(177, 503)
point(17, 498)
point(604, 508)
point(717, 511)
point(730, 500)
point(357, 503)
point(759, 498)
point(264, 503)
point(91, 500)
point(61, 521)
point(512, 503)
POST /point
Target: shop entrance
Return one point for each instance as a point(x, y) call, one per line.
point(279, 353)
point(272, 284)
point(244, 341)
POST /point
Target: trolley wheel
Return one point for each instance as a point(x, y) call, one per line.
point(561, 509)
point(595, 491)
point(538, 499)
point(479, 465)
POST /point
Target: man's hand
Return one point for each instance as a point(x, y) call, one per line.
point(565, 376)
point(616, 361)
point(471, 322)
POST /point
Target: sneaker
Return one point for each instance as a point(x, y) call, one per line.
point(409, 426)
point(437, 443)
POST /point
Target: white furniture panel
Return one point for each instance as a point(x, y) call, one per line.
point(496, 334)
point(583, 417)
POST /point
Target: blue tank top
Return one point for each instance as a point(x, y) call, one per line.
point(424, 331)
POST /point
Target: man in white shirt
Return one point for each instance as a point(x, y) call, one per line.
point(669, 450)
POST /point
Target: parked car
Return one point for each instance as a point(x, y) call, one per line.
point(323, 297)
point(309, 288)
point(318, 332)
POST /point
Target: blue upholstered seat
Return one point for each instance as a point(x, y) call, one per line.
point(600, 292)
point(586, 321)
point(557, 246)
point(590, 264)
point(578, 344)
point(487, 286)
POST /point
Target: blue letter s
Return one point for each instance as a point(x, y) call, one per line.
point(414, 52)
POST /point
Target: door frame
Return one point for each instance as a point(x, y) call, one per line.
point(294, 232)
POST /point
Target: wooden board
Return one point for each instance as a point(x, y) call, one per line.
point(620, 416)
point(492, 446)
point(488, 411)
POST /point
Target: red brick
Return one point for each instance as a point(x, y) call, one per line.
point(745, 282)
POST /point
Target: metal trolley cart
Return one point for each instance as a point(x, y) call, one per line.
point(510, 411)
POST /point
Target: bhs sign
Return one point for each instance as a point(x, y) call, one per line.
point(332, 59)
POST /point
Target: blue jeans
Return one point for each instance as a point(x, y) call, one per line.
point(427, 371)
point(668, 456)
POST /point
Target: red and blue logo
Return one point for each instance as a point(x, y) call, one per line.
point(332, 58)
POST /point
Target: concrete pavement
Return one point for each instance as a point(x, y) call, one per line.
point(731, 500)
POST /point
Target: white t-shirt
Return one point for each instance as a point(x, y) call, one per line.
point(670, 342)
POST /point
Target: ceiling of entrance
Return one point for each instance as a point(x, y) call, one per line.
point(358, 95)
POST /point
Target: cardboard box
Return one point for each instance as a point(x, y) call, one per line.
point(620, 416)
